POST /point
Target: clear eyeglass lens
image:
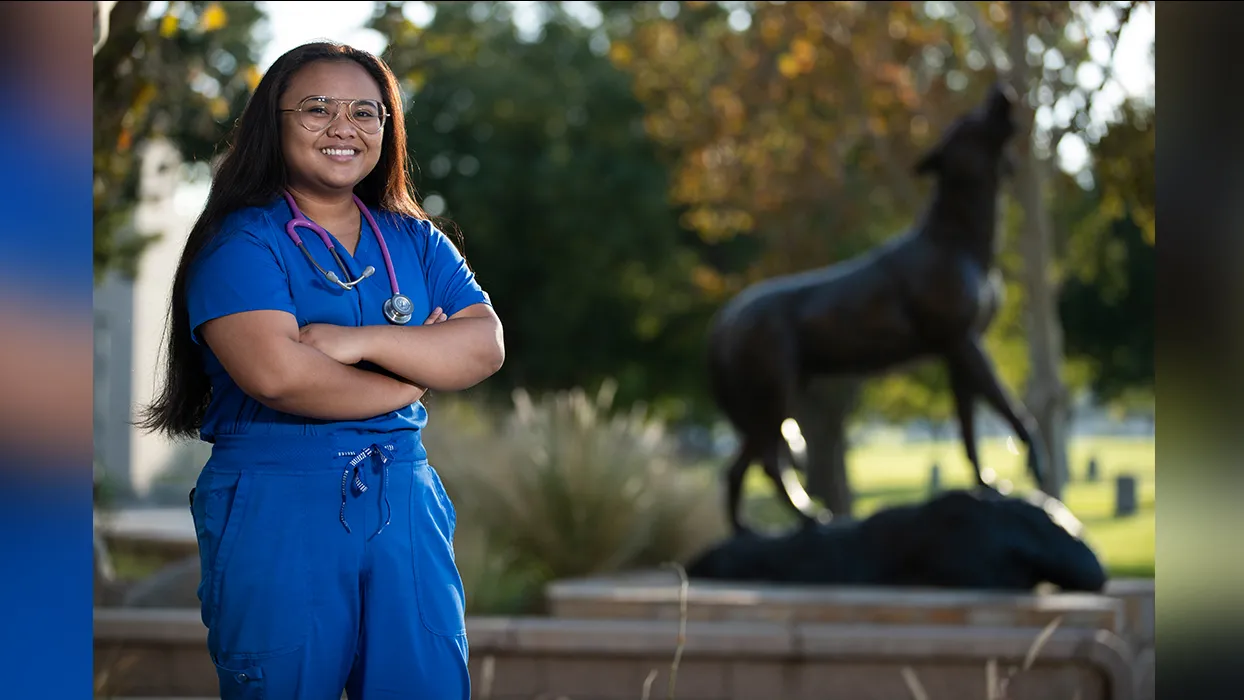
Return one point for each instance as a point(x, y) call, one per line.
point(317, 113)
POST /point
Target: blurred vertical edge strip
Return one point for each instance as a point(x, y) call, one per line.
point(46, 349)
point(1200, 601)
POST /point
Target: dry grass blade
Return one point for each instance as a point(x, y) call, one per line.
point(1040, 641)
point(119, 664)
point(683, 591)
point(913, 684)
point(997, 688)
point(488, 672)
point(652, 676)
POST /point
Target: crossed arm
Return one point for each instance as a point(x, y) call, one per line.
point(452, 355)
point(308, 371)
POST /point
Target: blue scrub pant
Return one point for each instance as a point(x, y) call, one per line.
point(328, 564)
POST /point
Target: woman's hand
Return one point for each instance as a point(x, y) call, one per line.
point(466, 349)
point(345, 343)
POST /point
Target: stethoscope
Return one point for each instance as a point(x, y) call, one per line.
point(398, 309)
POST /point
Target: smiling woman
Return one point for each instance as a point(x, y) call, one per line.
point(339, 143)
point(325, 536)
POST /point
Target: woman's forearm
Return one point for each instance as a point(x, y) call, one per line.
point(262, 354)
point(325, 389)
point(313, 385)
point(449, 356)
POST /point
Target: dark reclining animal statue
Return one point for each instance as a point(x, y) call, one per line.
point(929, 293)
point(956, 540)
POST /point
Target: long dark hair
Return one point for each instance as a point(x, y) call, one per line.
point(252, 173)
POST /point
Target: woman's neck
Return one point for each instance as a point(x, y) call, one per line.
point(322, 207)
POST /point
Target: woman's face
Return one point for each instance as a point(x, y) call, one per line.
point(338, 156)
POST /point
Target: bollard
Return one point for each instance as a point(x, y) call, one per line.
point(935, 478)
point(1093, 474)
point(1125, 500)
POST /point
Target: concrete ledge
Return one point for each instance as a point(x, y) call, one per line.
point(160, 653)
point(655, 595)
point(147, 625)
point(1138, 597)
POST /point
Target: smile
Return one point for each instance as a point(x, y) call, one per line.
point(339, 152)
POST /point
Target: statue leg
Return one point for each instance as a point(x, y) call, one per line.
point(961, 387)
point(757, 420)
point(734, 485)
point(786, 482)
point(757, 398)
point(979, 373)
point(824, 406)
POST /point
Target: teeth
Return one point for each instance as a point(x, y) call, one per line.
point(337, 151)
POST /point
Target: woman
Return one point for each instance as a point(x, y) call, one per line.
point(325, 536)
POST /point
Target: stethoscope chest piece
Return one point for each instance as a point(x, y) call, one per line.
point(399, 309)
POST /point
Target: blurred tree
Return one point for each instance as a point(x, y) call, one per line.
point(922, 394)
point(534, 147)
point(1046, 397)
point(1038, 30)
point(1125, 158)
point(177, 75)
point(1108, 313)
point(1106, 302)
point(795, 124)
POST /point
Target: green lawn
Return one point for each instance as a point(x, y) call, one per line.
point(894, 473)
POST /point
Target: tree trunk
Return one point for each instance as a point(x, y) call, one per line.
point(1046, 396)
point(822, 416)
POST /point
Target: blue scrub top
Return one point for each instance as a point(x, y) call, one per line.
point(252, 264)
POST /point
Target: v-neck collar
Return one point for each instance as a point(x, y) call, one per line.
point(365, 232)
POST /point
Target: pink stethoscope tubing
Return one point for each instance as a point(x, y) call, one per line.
point(398, 308)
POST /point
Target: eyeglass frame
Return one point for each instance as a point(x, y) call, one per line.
point(339, 101)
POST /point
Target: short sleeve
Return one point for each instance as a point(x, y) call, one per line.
point(236, 272)
point(451, 284)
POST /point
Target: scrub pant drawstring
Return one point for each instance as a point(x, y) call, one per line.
point(359, 486)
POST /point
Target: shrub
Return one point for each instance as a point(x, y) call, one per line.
point(564, 486)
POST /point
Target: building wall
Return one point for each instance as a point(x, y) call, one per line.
point(113, 302)
point(130, 323)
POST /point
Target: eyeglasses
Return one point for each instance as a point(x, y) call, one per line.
point(317, 112)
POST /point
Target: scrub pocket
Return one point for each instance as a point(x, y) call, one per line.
point(240, 681)
point(442, 601)
point(254, 565)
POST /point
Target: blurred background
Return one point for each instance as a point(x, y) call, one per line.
point(617, 171)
